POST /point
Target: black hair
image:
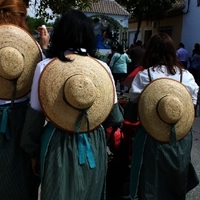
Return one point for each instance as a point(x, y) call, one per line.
point(139, 43)
point(181, 45)
point(120, 49)
point(73, 31)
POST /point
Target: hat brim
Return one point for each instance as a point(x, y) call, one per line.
point(18, 38)
point(148, 116)
point(50, 91)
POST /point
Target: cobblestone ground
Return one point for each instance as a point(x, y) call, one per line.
point(195, 193)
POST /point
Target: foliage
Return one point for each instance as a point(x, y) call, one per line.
point(58, 6)
point(33, 23)
point(147, 10)
point(140, 9)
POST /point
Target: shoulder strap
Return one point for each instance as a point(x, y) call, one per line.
point(181, 75)
point(150, 79)
point(116, 60)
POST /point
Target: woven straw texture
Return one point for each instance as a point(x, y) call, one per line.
point(19, 55)
point(85, 83)
point(175, 106)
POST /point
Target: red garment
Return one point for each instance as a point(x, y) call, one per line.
point(128, 80)
point(122, 138)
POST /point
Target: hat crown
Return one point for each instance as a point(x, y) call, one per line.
point(79, 91)
point(11, 63)
point(170, 109)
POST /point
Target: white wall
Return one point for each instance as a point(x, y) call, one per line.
point(191, 26)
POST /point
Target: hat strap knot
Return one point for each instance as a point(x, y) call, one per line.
point(85, 150)
point(172, 138)
point(4, 121)
point(81, 115)
point(80, 119)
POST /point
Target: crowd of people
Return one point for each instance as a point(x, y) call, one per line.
point(190, 62)
point(58, 101)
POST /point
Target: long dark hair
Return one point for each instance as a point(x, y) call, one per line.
point(73, 31)
point(161, 51)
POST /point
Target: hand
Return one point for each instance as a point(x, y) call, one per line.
point(35, 166)
point(44, 37)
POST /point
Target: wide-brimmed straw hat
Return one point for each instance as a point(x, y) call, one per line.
point(19, 55)
point(76, 96)
point(165, 106)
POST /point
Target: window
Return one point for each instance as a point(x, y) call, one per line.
point(166, 29)
point(147, 35)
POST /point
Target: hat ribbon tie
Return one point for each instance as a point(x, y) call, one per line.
point(172, 138)
point(85, 150)
point(80, 117)
point(4, 121)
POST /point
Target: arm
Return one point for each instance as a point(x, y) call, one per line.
point(112, 60)
point(44, 38)
point(138, 84)
point(189, 82)
point(35, 119)
point(128, 60)
point(115, 117)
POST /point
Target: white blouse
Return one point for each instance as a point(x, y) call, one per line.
point(142, 79)
point(34, 100)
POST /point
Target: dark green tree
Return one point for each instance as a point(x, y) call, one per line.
point(147, 10)
point(33, 23)
point(57, 6)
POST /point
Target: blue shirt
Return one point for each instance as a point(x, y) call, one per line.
point(182, 54)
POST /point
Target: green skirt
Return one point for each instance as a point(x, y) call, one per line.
point(161, 171)
point(73, 168)
point(17, 179)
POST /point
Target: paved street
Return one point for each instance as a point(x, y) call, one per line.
point(195, 193)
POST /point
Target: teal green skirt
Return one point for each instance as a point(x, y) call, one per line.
point(161, 170)
point(73, 166)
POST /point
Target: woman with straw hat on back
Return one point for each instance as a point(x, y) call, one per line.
point(75, 93)
point(166, 94)
point(19, 54)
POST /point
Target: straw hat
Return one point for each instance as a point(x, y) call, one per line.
point(163, 103)
point(19, 54)
point(76, 96)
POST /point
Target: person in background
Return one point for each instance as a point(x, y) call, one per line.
point(73, 157)
point(17, 67)
point(135, 53)
point(118, 65)
point(110, 55)
point(98, 31)
point(161, 165)
point(195, 63)
point(44, 39)
point(182, 55)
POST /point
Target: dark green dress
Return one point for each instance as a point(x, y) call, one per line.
point(17, 179)
point(73, 166)
point(161, 171)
